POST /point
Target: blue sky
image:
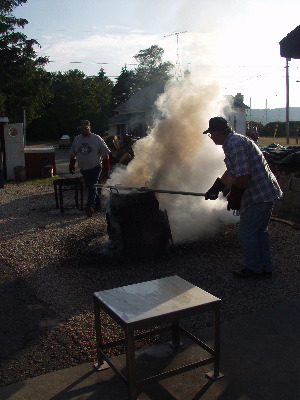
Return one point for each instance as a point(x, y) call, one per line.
point(235, 42)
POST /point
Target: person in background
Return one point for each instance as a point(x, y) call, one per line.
point(254, 189)
point(92, 155)
point(254, 135)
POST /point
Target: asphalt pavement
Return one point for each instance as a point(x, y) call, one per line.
point(260, 360)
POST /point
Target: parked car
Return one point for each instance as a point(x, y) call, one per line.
point(64, 141)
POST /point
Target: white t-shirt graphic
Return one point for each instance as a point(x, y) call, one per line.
point(88, 150)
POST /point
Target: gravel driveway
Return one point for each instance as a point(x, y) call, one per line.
point(52, 263)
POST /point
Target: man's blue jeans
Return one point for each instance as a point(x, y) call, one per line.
point(254, 236)
point(91, 177)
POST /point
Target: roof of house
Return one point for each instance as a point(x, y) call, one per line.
point(144, 98)
point(290, 45)
point(122, 119)
point(237, 101)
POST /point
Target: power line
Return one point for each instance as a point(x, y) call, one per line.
point(200, 66)
point(178, 69)
point(87, 62)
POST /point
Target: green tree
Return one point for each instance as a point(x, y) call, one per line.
point(123, 88)
point(280, 128)
point(75, 97)
point(73, 100)
point(151, 69)
point(24, 84)
point(102, 88)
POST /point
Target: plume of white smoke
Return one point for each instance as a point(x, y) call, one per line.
point(177, 156)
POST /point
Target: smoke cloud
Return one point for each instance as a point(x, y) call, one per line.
point(177, 156)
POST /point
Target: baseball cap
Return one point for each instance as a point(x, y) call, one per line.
point(218, 124)
point(84, 122)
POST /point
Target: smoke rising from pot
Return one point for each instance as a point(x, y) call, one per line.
point(177, 156)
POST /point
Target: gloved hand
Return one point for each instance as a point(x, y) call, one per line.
point(235, 197)
point(106, 167)
point(213, 192)
point(72, 165)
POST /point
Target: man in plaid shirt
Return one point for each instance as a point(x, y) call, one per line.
point(254, 189)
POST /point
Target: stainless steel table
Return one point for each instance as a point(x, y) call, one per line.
point(149, 305)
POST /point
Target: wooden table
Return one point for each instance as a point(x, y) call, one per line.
point(63, 184)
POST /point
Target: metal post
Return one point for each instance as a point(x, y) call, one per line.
point(216, 374)
point(146, 189)
point(56, 194)
point(175, 335)
point(250, 110)
point(81, 195)
point(99, 339)
point(76, 195)
point(61, 200)
point(130, 365)
point(287, 127)
point(24, 127)
point(217, 344)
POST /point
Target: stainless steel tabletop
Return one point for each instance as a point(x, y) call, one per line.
point(155, 301)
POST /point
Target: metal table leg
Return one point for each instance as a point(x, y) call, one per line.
point(61, 201)
point(130, 366)
point(76, 195)
point(56, 195)
point(175, 335)
point(215, 374)
point(81, 195)
point(99, 338)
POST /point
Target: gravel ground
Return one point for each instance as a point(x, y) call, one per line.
point(52, 263)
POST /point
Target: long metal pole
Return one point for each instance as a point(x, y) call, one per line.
point(250, 109)
point(146, 189)
point(287, 122)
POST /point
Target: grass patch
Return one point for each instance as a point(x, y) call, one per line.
point(266, 141)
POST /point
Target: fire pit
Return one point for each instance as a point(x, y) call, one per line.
point(136, 223)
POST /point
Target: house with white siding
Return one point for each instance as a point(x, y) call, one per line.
point(136, 115)
point(235, 113)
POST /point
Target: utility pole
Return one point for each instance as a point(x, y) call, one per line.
point(178, 73)
point(250, 110)
point(287, 110)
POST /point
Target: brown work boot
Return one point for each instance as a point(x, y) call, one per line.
point(247, 274)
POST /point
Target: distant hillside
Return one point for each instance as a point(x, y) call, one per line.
point(272, 115)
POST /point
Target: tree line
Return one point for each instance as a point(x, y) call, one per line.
point(54, 102)
point(276, 128)
point(279, 129)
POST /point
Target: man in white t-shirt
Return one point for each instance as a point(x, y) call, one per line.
point(92, 155)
